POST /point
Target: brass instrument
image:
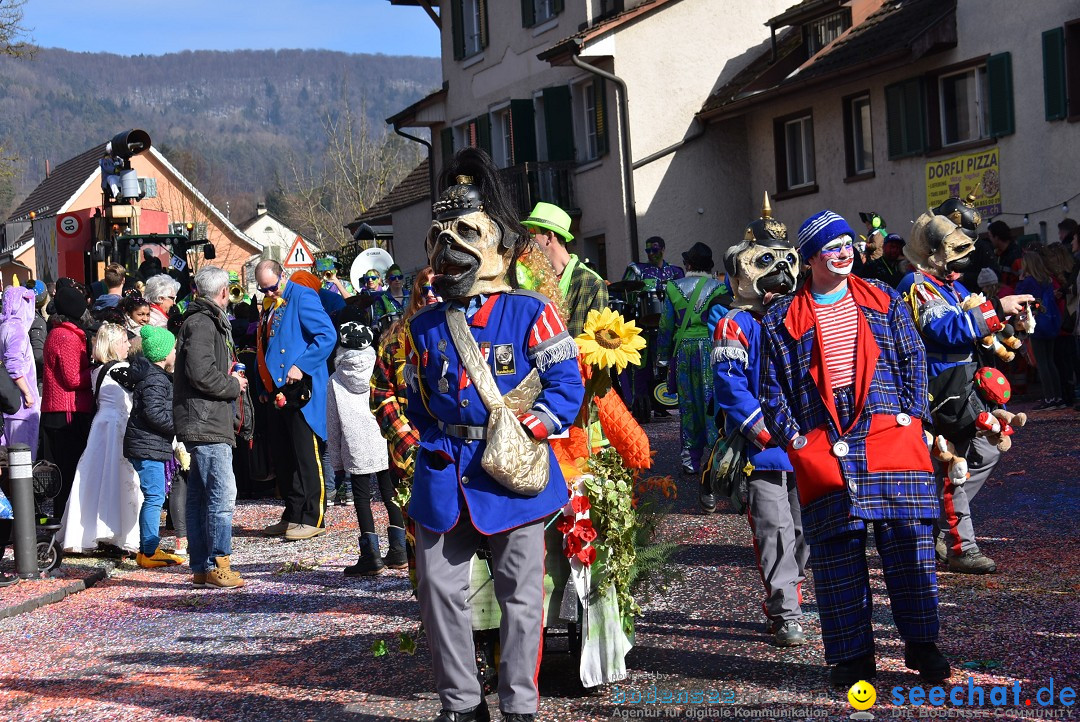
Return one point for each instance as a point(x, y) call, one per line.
point(329, 275)
point(236, 293)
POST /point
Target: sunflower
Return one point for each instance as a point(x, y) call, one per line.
point(609, 340)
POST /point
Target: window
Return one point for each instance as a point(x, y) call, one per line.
point(534, 12)
point(963, 98)
point(503, 136)
point(609, 8)
point(1061, 71)
point(594, 121)
point(469, 27)
point(795, 152)
point(859, 145)
point(475, 133)
point(819, 33)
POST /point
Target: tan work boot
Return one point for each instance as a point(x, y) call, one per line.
point(222, 576)
point(277, 529)
point(159, 558)
point(303, 531)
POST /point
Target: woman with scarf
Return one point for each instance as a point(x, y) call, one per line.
point(161, 293)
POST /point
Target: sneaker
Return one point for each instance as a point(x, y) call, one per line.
point(688, 469)
point(789, 634)
point(1059, 405)
point(848, 673)
point(276, 529)
point(927, 660)
point(222, 575)
point(297, 532)
point(348, 496)
point(972, 561)
point(7, 580)
point(339, 496)
point(198, 580)
point(941, 550)
point(180, 548)
point(707, 502)
point(1046, 404)
point(159, 558)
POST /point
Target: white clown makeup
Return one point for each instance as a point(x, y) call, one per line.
point(839, 255)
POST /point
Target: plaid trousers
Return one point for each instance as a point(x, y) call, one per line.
point(842, 585)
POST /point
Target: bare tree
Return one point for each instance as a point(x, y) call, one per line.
point(360, 165)
point(13, 42)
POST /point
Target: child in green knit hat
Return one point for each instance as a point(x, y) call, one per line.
point(148, 441)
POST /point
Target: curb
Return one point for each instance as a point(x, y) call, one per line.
point(57, 595)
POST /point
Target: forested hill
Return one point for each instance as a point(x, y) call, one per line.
point(228, 118)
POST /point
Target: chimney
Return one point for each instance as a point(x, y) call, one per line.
point(47, 169)
point(260, 209)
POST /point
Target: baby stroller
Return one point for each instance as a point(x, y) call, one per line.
point(47, 482)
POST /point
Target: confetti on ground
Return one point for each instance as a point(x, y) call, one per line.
point(296, 643)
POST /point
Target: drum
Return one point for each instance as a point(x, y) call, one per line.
point(666, 399)
point(650, 306)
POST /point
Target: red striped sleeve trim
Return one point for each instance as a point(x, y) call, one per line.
point(534, 425)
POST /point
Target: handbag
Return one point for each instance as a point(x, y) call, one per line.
point(727, 471)
point(11, 400)
point(512, 457)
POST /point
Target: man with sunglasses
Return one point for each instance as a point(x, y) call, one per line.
point(582, 287)
point(392, 302)
point(295, 339)
point(657, 272)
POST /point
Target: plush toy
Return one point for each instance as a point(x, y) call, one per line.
point(998, 426)
point(956, 466)
point(1004, 342)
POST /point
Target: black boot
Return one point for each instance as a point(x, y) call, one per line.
point(396, 557)
point(370, 563)
point(848, 673)
point(927, 660)
point(479, 714)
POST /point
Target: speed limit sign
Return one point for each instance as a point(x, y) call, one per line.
point(68, 224)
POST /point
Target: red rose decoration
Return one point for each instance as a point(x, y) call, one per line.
point(587, 535)
point(580, 504)
point(587, 555)
point(565, 524)
point(573, 545)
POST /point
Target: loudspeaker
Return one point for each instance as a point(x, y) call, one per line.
point(130, 143)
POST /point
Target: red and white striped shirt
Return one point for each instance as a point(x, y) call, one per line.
point(838, 324)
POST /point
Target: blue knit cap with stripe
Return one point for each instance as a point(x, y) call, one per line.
point(818, 230)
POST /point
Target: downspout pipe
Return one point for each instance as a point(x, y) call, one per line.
point(624, 132)
point(697, 132)
point(431, 166)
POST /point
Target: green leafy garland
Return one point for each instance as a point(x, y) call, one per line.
point(610, 489)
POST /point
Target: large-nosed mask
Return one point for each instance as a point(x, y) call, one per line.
point(468, 256)
point(757, 270)
point(939, 246)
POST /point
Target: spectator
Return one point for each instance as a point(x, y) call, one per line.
point(207, 387)
point(890, 267)
point(17, 355)
point(161, 293)
point(114, 287)
point(296, 338)
point(148, 440)
point(105, 497)
point(392, 303)
point(67, 400)
point(1007, 251)
point(150, 266)
point(1064, 268)
point(1066, 231)
point(1036, 279)
point(39, 330)
point(137, 311)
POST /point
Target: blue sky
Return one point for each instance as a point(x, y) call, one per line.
point(138, 27)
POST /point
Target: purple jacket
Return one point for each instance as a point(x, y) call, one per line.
point(15, 322)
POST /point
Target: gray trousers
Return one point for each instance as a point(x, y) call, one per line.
point(955, 520)
point(444, 571)
point(776, 522)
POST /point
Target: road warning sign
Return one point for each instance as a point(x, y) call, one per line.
point(299, 256)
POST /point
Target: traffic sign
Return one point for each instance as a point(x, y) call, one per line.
point(299, 255)
point(68, 225)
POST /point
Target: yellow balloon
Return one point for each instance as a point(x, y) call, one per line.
point(862, 695)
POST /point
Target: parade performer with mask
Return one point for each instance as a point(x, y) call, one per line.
point(953, 324)
point(844, 392)
point(485, 334)
point(761, 268)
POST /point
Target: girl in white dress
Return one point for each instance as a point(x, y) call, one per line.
point(105, 496)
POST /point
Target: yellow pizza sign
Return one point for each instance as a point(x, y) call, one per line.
point(956, 177)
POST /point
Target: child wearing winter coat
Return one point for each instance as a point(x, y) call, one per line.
point(148, 440)
point(357, 448)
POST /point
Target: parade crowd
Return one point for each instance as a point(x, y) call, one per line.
point(828, 382)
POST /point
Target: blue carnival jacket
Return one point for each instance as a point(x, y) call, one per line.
point(949, 332)
point(886, 473)
point(302, 335)
point(736, 361)
point(516, 331)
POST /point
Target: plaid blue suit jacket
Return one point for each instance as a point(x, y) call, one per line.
point(884, 480)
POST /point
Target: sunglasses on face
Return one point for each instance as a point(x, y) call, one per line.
point(653, 249)
point(372, 278)
point(427, 288)
point(270, 289)
point(395, 277)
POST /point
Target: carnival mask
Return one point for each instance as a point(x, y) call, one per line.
point(764, 262)
point(467, 256)
point(938, 246)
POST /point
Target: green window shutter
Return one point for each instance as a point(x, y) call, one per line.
point(528, 14)
point(905, 118)
point(483, 133)
point(999, 78)
point(446, 144)
point(1054, 94)
point(559, 123)
point(600, 98)
point(457, 28)
point(523, 131)
point(483, 23)
point(558, 6)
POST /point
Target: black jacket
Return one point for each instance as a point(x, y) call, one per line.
point(206, 395)
point(150, 424)
point(38, 331)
